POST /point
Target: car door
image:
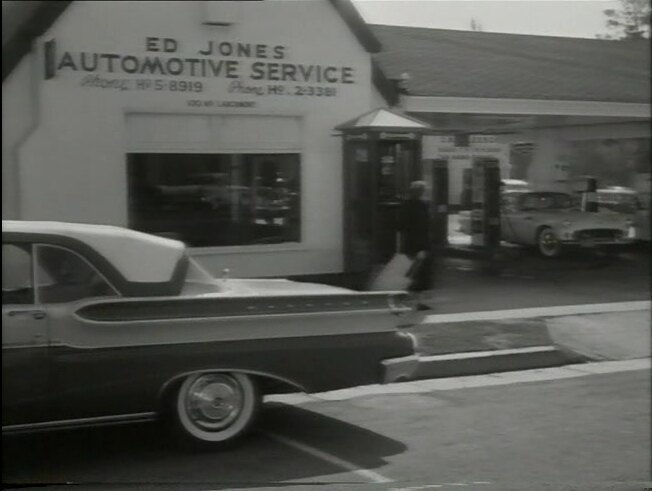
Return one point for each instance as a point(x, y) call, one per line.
point(508, 208)
point(519, 223)
point(82, 374)
point(26, 374)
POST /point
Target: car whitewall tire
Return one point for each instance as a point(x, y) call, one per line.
point(548, 243)
point(216, 408)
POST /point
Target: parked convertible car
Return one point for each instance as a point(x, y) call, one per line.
point(552, 221)
point(103, 325)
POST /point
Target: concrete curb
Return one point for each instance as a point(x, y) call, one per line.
point(466, 382)
point(575, 334)
point(483, 362)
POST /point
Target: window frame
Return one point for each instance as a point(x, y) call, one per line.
point(32, 273)
point(35, 253)
point(199, 250)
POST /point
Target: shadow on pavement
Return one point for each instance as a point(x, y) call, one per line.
point(355, 444)
point(143, 455)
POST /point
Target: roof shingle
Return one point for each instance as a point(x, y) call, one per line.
point(451, 63)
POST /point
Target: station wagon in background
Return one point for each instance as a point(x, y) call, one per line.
point(104, 325)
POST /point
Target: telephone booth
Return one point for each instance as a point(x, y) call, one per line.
point(381, 156)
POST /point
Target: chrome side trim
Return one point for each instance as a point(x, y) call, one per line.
point(320, 313)
point(81, 422)
point(8, 347)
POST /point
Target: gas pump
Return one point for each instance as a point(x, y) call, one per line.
point(585, 188)
point(485, 213)
point(590, 195)
point(439, 201)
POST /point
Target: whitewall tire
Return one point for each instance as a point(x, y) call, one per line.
point(548, 243)
point(216, 408)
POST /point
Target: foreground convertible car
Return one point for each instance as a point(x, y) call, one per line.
point(105, 325)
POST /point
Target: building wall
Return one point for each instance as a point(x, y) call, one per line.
point(20, 106)
point(73, 165)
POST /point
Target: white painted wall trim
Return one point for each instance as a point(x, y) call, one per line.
point(427, 104)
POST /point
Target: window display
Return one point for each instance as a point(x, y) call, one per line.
point(216, 199)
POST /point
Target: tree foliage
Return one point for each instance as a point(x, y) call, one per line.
point(631, 21)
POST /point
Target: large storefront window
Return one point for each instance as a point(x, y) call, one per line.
point(216, 199)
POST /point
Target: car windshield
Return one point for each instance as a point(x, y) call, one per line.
point(546, 201)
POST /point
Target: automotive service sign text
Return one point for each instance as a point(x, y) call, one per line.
point(249, 68)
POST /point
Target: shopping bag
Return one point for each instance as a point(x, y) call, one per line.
point(393, 275)
point(420, 273)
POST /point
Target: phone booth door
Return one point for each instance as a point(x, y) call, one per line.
point(398, 165)
point(377, 176)
point(359, 206)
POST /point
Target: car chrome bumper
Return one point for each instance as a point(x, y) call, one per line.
point(403, 368)
point(400, 369)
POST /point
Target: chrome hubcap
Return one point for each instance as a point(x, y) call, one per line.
point(548, 241)
point(214, 401)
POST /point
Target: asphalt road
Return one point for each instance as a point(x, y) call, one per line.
point(589, 432)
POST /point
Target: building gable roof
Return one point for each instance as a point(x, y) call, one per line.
point(22, 22)
point(447, 63)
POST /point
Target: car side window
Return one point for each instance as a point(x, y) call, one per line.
point(529, 203)
point(64, 276)
point(509, 203)
point(17, 285)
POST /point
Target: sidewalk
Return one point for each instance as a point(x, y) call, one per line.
point(477, 343)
